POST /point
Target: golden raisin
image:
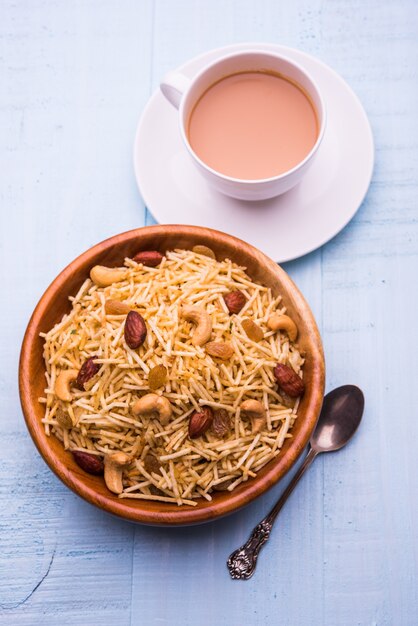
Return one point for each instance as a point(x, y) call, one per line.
point(205, 251)
point(252, 331)
point(221, 424)
point(157, 377)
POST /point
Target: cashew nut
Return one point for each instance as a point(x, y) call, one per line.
point(153, 403)
point(283, 322)
point(114, 463)
point(255, 410)
point(203, 323)
point(104, 276)
point(63, 384)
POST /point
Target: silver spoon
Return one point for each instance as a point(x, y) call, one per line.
point(340, 416)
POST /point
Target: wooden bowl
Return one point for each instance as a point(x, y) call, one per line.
point(54, 303)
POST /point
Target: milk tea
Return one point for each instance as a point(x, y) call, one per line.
point(253, 125)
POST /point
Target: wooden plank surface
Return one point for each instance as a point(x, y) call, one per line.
point(74, 78)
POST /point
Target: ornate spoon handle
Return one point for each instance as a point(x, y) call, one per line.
point(242, 562)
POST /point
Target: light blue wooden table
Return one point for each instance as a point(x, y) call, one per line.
point(74, 77)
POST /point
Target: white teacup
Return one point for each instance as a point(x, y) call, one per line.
point(183, 93)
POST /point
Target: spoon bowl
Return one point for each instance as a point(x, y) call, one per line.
point(340, 417)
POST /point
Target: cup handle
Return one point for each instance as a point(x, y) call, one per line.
point(173, 87)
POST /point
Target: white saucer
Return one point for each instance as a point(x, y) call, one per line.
point(285, 227)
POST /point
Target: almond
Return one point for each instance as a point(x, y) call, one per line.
point(115, 307)
point(221, 423)
point(149, 258)
point(234, 301)
point(90, 463)
point(200, 422)
point(87, 371)
point(288, 380)
point(252, 331)
point(219, 349)
point(135, 330)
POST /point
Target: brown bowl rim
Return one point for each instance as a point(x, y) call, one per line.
point(168, 516)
